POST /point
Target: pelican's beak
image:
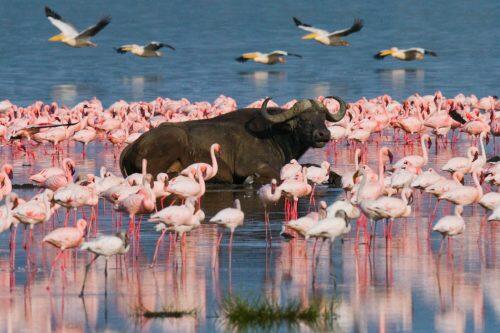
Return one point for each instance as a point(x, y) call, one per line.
point(310, 36)
point(384, 53)
point(56, 38)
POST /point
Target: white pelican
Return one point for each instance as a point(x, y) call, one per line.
point(147, 51)
point(329, 38)
point(267, 58)
point(69, 35)
point(415, 53)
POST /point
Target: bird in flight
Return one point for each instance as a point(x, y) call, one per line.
point(69, 35)
point(415, 53)
point(329, 38)
point(267, 58)
point(150, 50)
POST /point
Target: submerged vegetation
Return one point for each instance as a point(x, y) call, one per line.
point(166, 312)
point(243, 313)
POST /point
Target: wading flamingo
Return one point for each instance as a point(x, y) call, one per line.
point(210, 170)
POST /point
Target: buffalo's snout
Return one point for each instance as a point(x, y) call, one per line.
point(322, 135)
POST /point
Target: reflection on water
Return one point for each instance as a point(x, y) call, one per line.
point(139, 82)
point(71, 94)
point(402, 285)
point(261, 78)
point(401, 77)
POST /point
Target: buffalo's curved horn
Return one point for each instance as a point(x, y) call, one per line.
point(295, 110)
point(340, 114)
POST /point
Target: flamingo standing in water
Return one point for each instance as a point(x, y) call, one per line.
point(462, 164)
point(318, 176)
point(348, 176)
point(106, 246)
point(6, 174)
point(210, 170)
point(230, 218)
point(141, 202)
point(418, 161)
point(465, 195)
point(187, 187)
point(450, 226)
point(295, 189)
point(269, 194)
point(65, 238)
point(8, 221)
point(291, 170)
point(85, 136)
point(303, 224)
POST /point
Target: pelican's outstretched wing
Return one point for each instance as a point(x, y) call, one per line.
point(66, 28)
point(93, 30)
point(308, 27)
point(356, 26)
point(155, 46)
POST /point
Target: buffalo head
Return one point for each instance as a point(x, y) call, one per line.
point(306, 120)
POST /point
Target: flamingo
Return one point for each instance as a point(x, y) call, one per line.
point(347, 179)
point(106, 246)
point(450, 225)
point(230, 218)
point(210, 170)
point(187, 187)
point(481, 159)
point(172, 216)
point(295, 189)
point(351, 211)
point(291, 170)
point(464, 195)
point(269, 194)
point(65, 238)
point(85, 136)
point(68, 166)
point(141, 202)
point(303, 224)
point(426, 179)
point(391, 208)
point(462, 164)
point(6, 174)
point(137, 178)
point(74, 196)
point(418, 161)
point(8, 221)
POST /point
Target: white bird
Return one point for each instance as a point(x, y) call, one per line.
point(328, 38)
point(450, 225)
point(266, 58)
point(150, 50)
point(330, 227)
point(106, 246)
point(462, 164)
point(414, 53)
point(230, 218)
point(495, 216)
point(69, 35)
point(351, 211)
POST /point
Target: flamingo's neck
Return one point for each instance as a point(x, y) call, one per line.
point(424, 150)
point(215, 166)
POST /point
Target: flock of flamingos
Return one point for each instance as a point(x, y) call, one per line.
point(371, 195)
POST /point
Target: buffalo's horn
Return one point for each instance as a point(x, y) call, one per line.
point(340, 114)
point(295, 110)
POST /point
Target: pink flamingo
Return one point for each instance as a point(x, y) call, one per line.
point(187, 187)
point(291, 170)
point(295, 189)
point(418, 161)
point(465, 195)
point(269, 194)
point(65, 238)
point(462, 164)
point(230, 218)
point(74, 196)
point(210, 170)
point(141, 202)
point(68, 165)
point(85, 136)
point(450, 226)
point(6, 174)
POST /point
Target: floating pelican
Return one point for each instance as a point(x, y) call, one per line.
point(329, 38)
point(69, 35)
point(147, 51)
point(415, 53)
point(267, 58)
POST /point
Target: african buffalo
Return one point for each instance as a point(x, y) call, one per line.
point(254, 142)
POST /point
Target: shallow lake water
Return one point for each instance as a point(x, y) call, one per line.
point(402, 285)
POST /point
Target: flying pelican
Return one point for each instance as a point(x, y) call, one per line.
point(415, 53)
point(329, 38)
point(267, 58)
point(147, 51)
point(69, 35)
